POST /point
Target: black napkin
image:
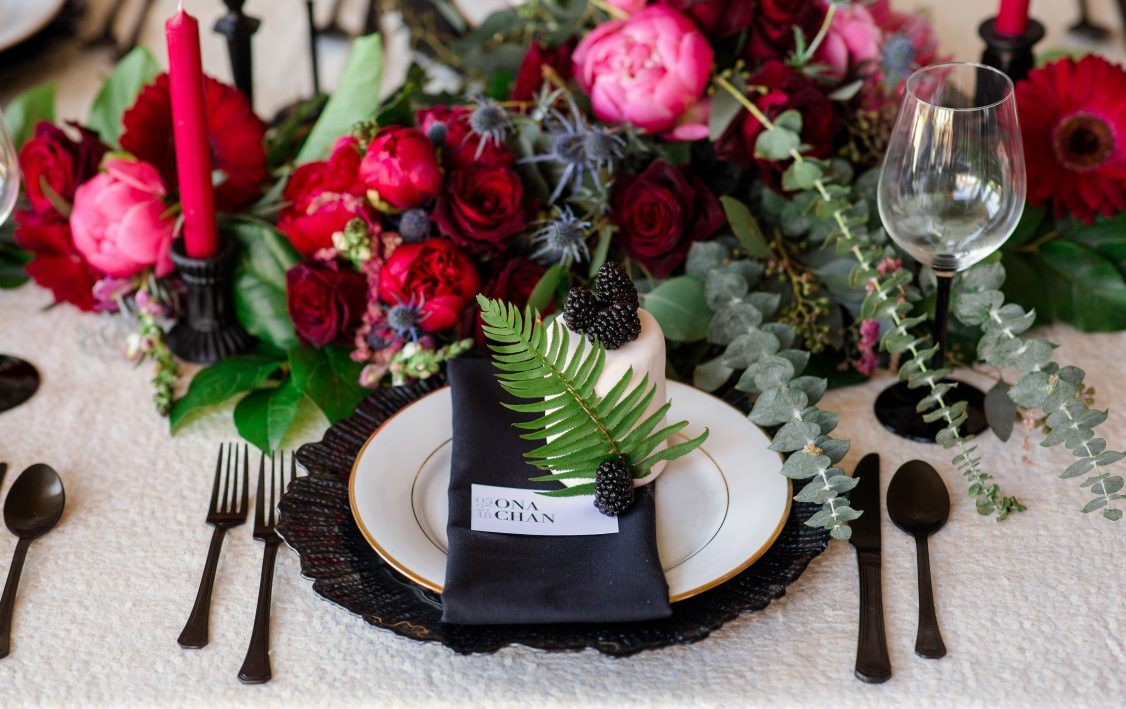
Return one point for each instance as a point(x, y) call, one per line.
point(494, 578)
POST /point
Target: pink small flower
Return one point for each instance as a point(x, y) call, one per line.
point(107, 291)
point(869, 334)
point(648, 69)
point(867, 363)
point(853, 41)
point(889, 265)
point(119, 221)
point(147, 306)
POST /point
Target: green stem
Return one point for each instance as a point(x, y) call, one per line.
point(824, 30)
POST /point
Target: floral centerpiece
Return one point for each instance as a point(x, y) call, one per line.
point(724, 151)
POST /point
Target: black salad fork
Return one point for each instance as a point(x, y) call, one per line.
point(256, 666)
point(225, 512)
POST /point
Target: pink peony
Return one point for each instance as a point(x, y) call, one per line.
point(852, 42)
point(400, 169)
point(648, 70)
point(119, 221)
point(629, 7)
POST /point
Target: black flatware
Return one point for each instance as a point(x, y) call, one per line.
point(223, 514)
point(919, 504)
point(256, 666)
point(19, 381)
point(33, 506)
point(872, 663)
point(3, 469)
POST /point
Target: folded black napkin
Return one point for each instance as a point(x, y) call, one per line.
point(494, 578)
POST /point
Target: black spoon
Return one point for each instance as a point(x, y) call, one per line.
point(18, 381)
point(34, 505)
point(918, 503)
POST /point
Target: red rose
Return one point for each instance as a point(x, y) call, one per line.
point(459, 143)
point(324, 302)
point(482, 207)
point(50, 157)
point(787, 90)
point(400, 168)
point(660, 212)
point(716, 18)
point(529, 78)
point(512, 281)
point(436, 275)
point(57, 265)
point(234, 133)
point(772, 31)
point(322, 197)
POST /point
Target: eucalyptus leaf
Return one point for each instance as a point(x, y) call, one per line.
point(745, 227)
point(1000, 410)
point(679, 306)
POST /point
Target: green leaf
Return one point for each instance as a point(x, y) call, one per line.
point(724, 110)
point(711, 375)
point(680, 308)
point(264, 257)
point(356, 98)
point(119, 92)
point(776, 144)
point(790, 120)
point(28, 108)
point(545, 289)
point(329, 378)
point(746, 229)
point(1095, 504)
point(801, 176)
point(1069, 281)
point(264, 416)
point(1000, 410)
point(215, 384)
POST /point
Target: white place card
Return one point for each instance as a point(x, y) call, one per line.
point(510, 510)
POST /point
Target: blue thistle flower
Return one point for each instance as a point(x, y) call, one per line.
point(404, 319)
point(414, 225)
point(898, 58)
point(490, 122)
point(562, 240)
point(580, 149)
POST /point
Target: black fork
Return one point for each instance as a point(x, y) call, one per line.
point(224, 513)
point(256, 666)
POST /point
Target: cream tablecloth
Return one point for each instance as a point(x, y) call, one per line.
point(1031, 609)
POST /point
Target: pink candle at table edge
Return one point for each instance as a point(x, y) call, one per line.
point(189, 121)
point(1012, 18)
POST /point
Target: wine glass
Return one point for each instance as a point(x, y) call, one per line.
point(951, 191)
point(18, 379)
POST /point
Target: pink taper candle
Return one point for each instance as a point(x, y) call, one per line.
point(189, 120)
point(1012, 18)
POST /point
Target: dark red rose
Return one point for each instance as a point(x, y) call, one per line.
point(434, 274)
point(482, 207)
point(324, 302)
point(512, 281)
point(322, 197)
point(772, 31)
point(460, 144)
point(56, 265)
point(660, 212)
point(235, 134)
point(529, 78)
point(50, 157)
point(787, 89)
point(716, 18)
point(400, 168)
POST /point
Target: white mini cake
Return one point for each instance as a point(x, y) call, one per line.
point(646, 355)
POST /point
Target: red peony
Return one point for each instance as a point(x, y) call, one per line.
point(52, 159)
point(482, 208)
point(529, 78)
point(1073, 123)
point(325, 303)
point(400, 168)
point(787, 90)
point(512, 281)
point(458, 142)
point(234, 132)
point(660, 212)
point(717, 19)
point(57, 264)
point(772, 31)
point(322, 197)
point(435, 275)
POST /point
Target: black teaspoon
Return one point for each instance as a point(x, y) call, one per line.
point(919, 504)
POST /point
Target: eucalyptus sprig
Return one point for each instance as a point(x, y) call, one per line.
point(582, 429)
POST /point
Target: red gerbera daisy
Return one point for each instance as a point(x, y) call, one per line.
point(1073, 120)
point(234, 132)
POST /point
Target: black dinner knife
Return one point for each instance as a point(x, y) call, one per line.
point(872, 664)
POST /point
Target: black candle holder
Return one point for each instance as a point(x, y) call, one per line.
point(239, 29)
point(208, 330)
point(1010, 54)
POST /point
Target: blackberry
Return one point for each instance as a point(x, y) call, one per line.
point(580, 309)
point(616, 325)
point(613, 486)
point(614, 286)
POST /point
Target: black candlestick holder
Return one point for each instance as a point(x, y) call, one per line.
point(208, 330)
point(239, 29)
point(1011, 54)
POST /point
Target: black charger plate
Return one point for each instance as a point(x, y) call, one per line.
point(316, 520)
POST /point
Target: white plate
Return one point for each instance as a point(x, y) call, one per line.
point(718, 508)
point(19, 19)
